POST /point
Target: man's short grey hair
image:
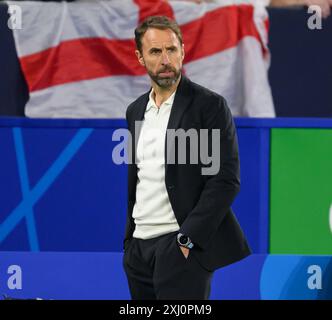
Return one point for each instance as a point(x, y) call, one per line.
point(157, 22)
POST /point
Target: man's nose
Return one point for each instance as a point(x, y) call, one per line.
point(165, 59)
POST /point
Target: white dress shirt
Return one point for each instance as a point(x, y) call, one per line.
point(153, 213)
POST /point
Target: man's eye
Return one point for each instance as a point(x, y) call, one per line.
point(155, 51)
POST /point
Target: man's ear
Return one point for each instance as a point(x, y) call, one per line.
point(183, 54)
point(140, 58)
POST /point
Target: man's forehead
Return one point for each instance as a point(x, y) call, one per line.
point(159, 37)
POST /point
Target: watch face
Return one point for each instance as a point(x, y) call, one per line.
point(183, 239)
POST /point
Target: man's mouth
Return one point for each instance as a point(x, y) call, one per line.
point(166, 73)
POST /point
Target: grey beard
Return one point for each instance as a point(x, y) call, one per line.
point(165, 82)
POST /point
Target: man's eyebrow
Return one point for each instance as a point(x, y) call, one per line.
point(159, 49)
point(154, 48)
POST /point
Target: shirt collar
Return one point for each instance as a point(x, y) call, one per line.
point(152, 103)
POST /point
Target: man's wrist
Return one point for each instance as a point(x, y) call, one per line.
point(184, 241)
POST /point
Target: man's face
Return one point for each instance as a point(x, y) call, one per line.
point(162, 56)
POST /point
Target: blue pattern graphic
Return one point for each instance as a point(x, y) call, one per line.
point(24, 179)
point(30, 197)
point(289, 277)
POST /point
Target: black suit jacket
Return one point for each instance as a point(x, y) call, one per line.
point(201, 203)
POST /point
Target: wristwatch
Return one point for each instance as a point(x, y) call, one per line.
point(184, 241)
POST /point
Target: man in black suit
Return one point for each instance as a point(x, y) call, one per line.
point(180, 226)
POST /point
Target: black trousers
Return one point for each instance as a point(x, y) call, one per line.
point(157, 269)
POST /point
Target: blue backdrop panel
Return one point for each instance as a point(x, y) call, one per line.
point(73, 275)
point(239, 280)
point(299, 57)
point(296, 277)
point(14, 92)
point(252, 204)
point(77, 275)
point(61, 190)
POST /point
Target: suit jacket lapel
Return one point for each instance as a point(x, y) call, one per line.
point(181, 102)
point(136, 124)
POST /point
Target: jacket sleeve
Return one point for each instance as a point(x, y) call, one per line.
point(129, 227)
point(219, 189)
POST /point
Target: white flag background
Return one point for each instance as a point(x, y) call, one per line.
point(79, 62)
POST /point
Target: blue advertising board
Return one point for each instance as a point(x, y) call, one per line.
point(100, 275)
point(61, 191)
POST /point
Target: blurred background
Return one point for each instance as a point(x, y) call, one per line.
point(299, 75)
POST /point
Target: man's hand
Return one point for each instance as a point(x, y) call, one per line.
point(185, 251)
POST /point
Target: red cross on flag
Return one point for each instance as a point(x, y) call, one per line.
point(79, 62)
